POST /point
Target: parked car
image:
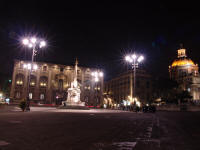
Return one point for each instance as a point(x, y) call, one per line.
point(150, 108)
point(2, 102)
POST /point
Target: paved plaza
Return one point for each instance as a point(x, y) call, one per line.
point(96, 129)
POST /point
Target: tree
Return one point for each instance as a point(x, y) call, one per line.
point(166, 89)
point(184, 96)
point(22, 105)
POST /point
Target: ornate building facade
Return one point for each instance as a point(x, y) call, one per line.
point(119, 88)
point(186, 73)
point(49, 83)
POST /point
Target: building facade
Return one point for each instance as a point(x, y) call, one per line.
point(49, 83)
point(119, 88)
point(186, 73)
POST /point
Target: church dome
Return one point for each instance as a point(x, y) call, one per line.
point(182, 62)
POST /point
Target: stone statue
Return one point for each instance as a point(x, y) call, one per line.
point(73, 97)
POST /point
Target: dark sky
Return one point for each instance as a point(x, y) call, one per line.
point(100, 33)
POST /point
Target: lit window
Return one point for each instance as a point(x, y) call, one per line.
point(19, 82)
point(30, 95)
point(43, 84)
point(32, 83)
point(87, 87)
point(42, 96)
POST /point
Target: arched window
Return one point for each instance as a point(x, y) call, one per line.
point(44, 68)
point(43, 81)
point(33, 80)
point(60, 84)
point(19, 79)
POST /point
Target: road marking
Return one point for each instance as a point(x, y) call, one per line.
point(3, 143)
point(125, 145)
point(149, 132)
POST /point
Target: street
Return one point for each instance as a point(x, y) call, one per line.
point(61, 129)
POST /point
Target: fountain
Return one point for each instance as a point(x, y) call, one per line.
point(73, 98)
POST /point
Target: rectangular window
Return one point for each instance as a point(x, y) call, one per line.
point(30, 95)
point(17, 94)
point(44, 68)
point(61, 69)
point(42, 96)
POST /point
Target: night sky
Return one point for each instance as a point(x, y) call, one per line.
point(100, 33)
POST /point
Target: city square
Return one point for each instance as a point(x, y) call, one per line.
point(51, 128)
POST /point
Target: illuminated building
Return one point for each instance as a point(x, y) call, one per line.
point(186, 73)
point(49, 83)
point(118, 88)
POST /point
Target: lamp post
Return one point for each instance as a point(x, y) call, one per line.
point(96, 75)
point(32, 43)
point(134, 60)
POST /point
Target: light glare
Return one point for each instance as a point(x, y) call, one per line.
point(35, 67)
point(96, 74)
point(101, 74)
point(25, 41)
point(96, 79)
point(25, 66)
point(127, 58)
point(141, 58)
point(134, 56)
point(42, 43)
point(33, 40)
point(29, 66)
point(30, 45)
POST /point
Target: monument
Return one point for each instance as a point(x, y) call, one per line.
point(73, 94)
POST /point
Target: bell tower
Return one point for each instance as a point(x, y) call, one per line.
point(181, 52)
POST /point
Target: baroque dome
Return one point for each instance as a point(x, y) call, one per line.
point(182, 62)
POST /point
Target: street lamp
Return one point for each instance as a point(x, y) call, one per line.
point(96, 76)
point(134, 60)
point(33, 43)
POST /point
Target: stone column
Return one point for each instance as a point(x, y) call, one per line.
point(12, 92)
point(24, 91)
point(37, 86)
point(83, 86)
point(49, 89)
point(101, 91)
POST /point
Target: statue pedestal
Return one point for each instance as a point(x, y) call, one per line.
point(73, 100)
point(71, 105)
